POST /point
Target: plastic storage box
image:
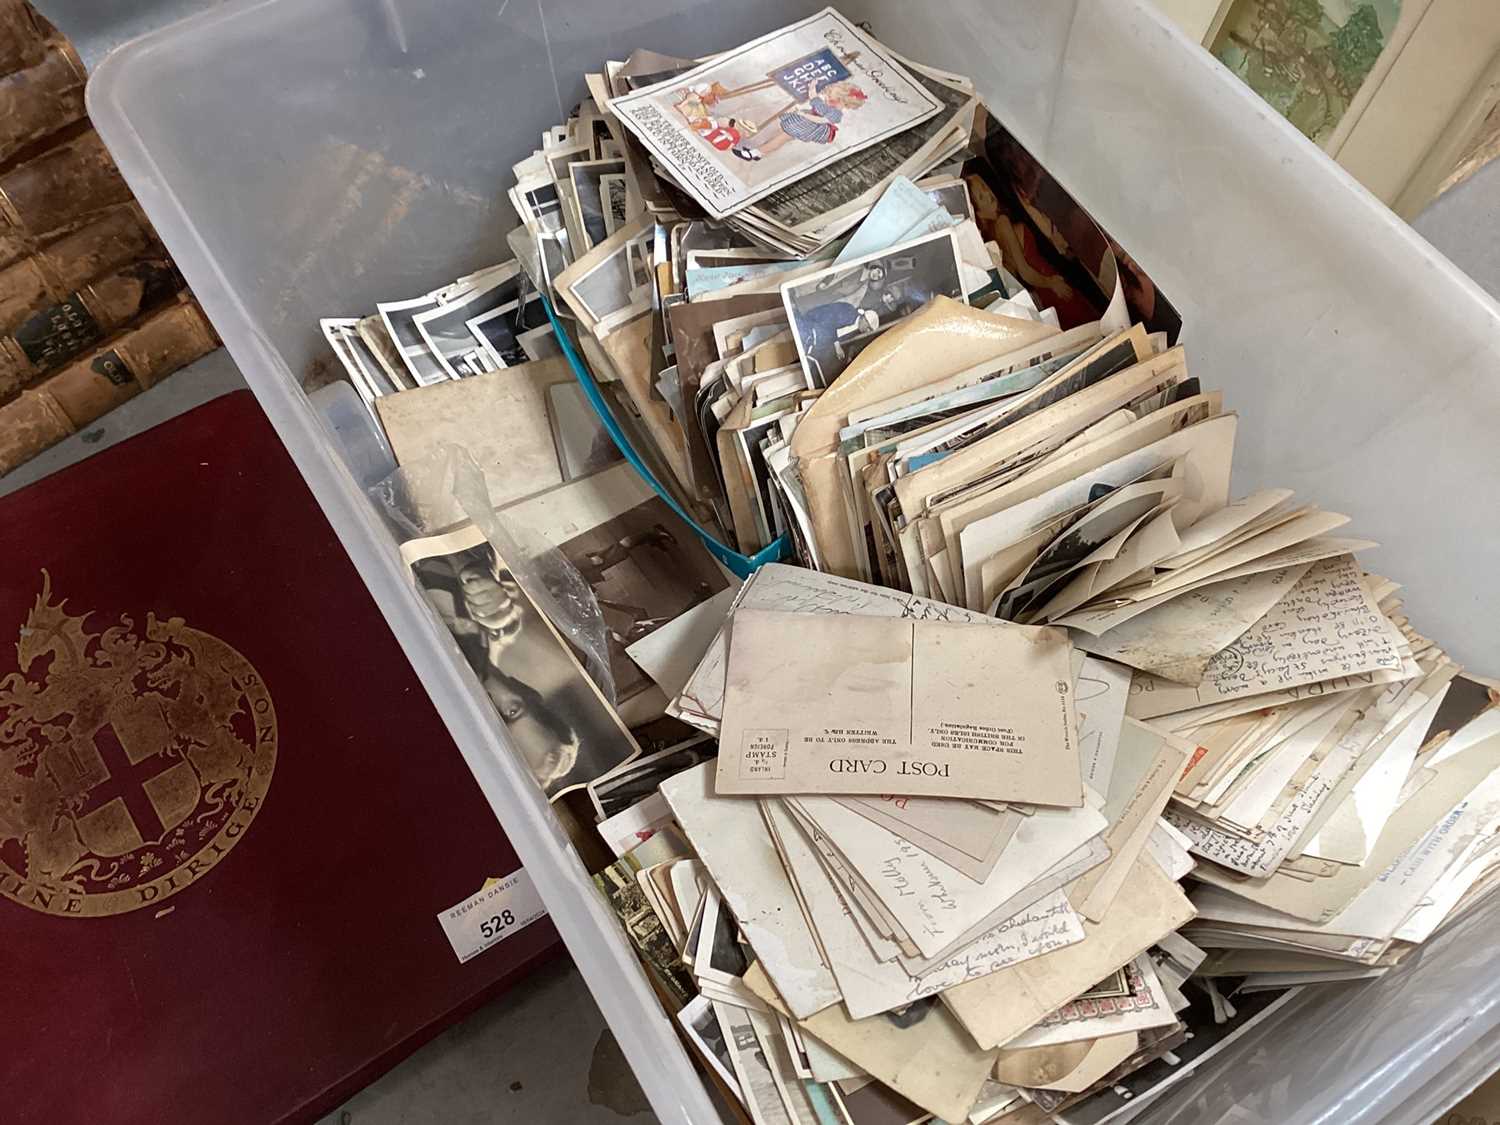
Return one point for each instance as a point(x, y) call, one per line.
point(304, 158)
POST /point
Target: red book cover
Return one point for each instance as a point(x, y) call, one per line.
point(229, 814)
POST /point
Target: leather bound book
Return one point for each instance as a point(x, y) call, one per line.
point(120, 236)
point(89, 387)
point(229, 814)
point(55, 333)
point(60, 189)
point(23, 36)
point(40, 99)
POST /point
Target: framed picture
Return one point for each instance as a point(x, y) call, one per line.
point(1399, 92)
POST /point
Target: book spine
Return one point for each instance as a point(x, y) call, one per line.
point(51, 336)
point(40, 99)
point(50, 275)
point(113, 373)
point(60, 188)
point(22, 37)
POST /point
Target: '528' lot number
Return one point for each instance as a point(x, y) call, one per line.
point(497, 924)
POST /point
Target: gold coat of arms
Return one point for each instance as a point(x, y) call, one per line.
point(132, 759)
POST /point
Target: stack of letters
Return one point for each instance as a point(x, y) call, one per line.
point(1044, 764)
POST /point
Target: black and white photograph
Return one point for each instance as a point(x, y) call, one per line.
point(606, 289)
point(445, 329)
point(614, 197)
point(559, 723)
point(596, 129)
point(365, 373)
point(542, 209)
point(757, 1083)
point(589, 191)
point(837, 312)
point(559, 158)
point(951, 194)
point(401, 322)
point(638, 780)
point(583, 444)
point(498, 331)
point(701, 1023)
point(719, 956)
point(749, 439)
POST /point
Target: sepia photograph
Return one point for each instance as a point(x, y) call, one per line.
point(646, 567)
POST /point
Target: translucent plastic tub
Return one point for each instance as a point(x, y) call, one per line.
point(304, 158)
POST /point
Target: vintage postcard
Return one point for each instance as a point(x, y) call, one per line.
point(1131, 999)
point(842, 704)
point(760, 117)
point(644, 929)
point(871, 985)
point(936, 906)
point(670, 654)
point(966, 835)
point(835, 313)
point(1326, 626)
point(997, 1008)
point(794, 590)
point(921, 1052)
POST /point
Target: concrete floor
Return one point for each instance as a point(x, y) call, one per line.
point(541, 1052)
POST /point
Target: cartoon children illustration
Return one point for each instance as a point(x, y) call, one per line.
point(815, 121)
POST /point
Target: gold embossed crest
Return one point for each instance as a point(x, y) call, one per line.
point(131, 759)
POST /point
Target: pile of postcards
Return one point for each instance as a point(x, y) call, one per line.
point(1054, 766)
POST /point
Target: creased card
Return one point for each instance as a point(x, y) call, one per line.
point(843, 704)
point(793, 590)
point(871, 986)
point(920, 1052)
point(733, 843)
point(1327, 626)
point(931, 901)
point(995, 1009)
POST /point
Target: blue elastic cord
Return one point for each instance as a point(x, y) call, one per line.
point(742, 565)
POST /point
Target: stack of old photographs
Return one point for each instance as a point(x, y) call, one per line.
point(483, 322)
point(1055, 764)
point(710, 352)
